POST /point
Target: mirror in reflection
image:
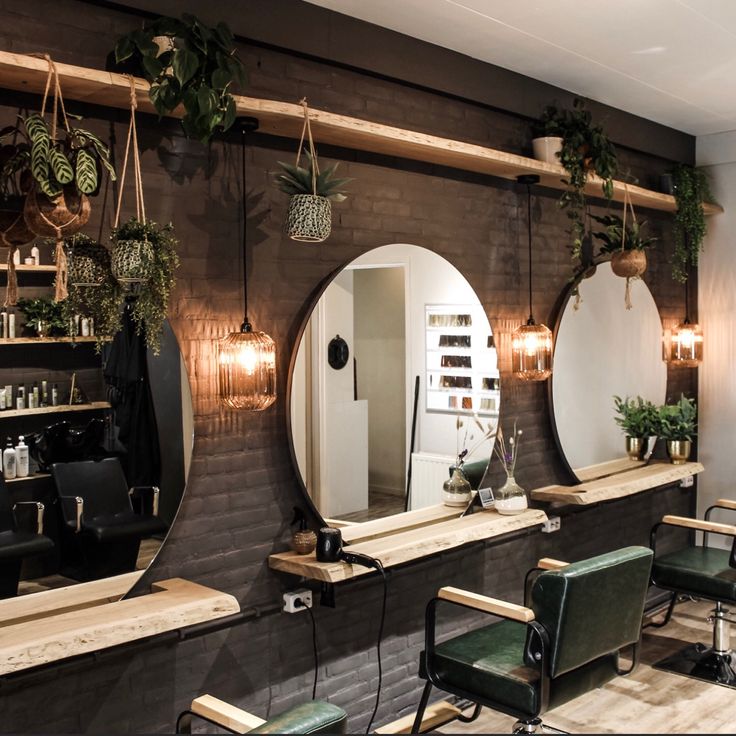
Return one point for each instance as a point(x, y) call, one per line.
point(395, 374)
point(604, 350)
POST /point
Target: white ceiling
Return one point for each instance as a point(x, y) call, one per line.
point(671, 61)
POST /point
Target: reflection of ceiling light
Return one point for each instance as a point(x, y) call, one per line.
point(246, 360)
point(531, 344)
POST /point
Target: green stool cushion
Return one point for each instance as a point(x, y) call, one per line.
point(313, 717)
point(697, 570)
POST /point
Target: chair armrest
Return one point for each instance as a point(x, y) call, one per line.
point(153, 490)
point(224, 714)
point(39, 512)
point(79, 510)
point(548, 563)
point(725, 503)
point(702, 526)
point(487, 605)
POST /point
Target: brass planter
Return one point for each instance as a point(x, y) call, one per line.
point(636, 447)
point(679, 451)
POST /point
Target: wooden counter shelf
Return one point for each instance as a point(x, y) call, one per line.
point(28, 74)
point(67, 622)
point(47, 340)
point(60, 409)
point(618, 485)
point(22, 268)
point(405, 546)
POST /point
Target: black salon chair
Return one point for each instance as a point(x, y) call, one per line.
point(537, 658)
point(101, 532)
point(474, 472)
point(315, 716)
point(15, 544)
point(702, 572)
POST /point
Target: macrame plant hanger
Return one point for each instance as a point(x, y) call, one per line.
point(627, 200)
point(307, 130)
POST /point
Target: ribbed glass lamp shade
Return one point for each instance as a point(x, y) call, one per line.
point(686, 345)
point(531, 352)
point(246, 363)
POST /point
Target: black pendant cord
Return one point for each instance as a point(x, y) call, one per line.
point(687, 303)
point(529, 233)
point(246, 326)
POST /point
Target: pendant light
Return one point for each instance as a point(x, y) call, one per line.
point(531, 344)
point(246, 359)
point(686, 341)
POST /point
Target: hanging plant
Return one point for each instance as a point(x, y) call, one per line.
point(88, 261)
point(691, 189)
point(187, 63)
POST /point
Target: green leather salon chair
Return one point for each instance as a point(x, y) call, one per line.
point(566, 643)
point(702, 572)
point(316, 716)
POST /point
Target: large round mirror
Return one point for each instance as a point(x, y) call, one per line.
point(417, 382)
point(602, 350)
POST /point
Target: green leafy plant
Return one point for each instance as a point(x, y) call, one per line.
point(692, 189)
point(15, 159)
point(637, 417)
point(197, 69)
point(298, 180)
point(611, 235)
point(38, 312)
point(550, 123)
point(678, 421)
point(151, 303)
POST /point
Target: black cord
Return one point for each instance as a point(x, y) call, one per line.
point(380, 569)
point(529, 232)
point(316, 654)
point(687, 304)
point(244, 132)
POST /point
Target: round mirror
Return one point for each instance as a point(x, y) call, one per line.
point(421, 384)
point(603, 350)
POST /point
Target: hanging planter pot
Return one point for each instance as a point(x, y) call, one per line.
point(58, 218)
point(629, 264)
point(131, 261)
point(13, 226)
point(309, 218)
point(88, 261)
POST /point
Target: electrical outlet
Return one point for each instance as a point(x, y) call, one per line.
point(551, 525)
point(687, 482)
point(290, 599)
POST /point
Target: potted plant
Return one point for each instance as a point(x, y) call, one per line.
point(691, 189)
point(88, 261)
point(102, 304)
point(44, 316)
point(639, 420)
point(309, 218)
point(187, 63)
point(547, 135)
point(678, 423)
point(145, 251)
point(626, 244)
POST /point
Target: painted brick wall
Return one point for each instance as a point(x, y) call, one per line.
point(242, 485)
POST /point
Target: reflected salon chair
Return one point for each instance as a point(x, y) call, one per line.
point(16, 544)
point(701, 572)
point(566, 643)
point(315, 716)
point(101, 532)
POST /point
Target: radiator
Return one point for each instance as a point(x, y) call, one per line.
point(428, 473)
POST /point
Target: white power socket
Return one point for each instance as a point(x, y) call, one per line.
point(687, 481)
point(302, 594)
point(551, 525)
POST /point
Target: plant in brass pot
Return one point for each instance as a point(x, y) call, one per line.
point(639, 420)
point(678, 424)
point(44, 316)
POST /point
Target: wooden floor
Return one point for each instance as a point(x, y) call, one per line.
point(648, 701)
point(380, 504)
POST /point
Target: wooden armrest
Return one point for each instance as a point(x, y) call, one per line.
point(703, 526)
point(226, 715)
point(486, 604)
point(547, 563)
point(725, 503)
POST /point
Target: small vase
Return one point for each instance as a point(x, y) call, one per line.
point(679, 451)
point(636, 447)
point(304, 541)
point(42, 328)
point(456, 490)
point(510, 497)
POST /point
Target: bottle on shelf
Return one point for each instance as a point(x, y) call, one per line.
point(3, 405)
point(3, 325)
point(11, 324)
point(36, 395)
point(16, 257)
point(9, 469)
point(21, 458)
point(8, 396)
point(36, 255)
point(44, 393)
point(85, 327)
point(20, 400)
point(55, 395)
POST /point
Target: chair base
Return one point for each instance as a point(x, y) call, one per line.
point(534, 725)
point(701, 663)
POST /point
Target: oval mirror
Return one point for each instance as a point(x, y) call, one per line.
point(603, 350)
point(422, 361)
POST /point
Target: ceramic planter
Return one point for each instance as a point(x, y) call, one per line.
point(131, 261)
point(679, 451)
point(547, 148)
point(309, 219)
point(88, 264)
point(629, 264)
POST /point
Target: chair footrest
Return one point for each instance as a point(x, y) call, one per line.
point(701, 663)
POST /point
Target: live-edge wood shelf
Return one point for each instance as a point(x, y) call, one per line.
point(61, 408)
point(29, 269)
point(45, 340)
point(406, 546)
point(28, 74)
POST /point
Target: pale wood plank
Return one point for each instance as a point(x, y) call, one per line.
point(726, 503)
point(435, 716)
point(27, 477)
point(487, 605)
point(699, 524)
point(225, 714)
point(618, 486)
point(45, 340)
point(600, 470)
point(170, 605)
point(56, 409)
point(22, 268)
point(548, 563)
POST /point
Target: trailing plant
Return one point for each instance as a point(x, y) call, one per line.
point(198, 70)
point(636, 417)
point(692, 189)
point(45, 311)
point(678, 421)
point(296, 179)
point(550, 123)
point(612, 234)
point(151, 303)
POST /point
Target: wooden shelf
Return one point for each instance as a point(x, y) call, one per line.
point(405, 546)
point(62, 408)
point(28, 74)
point(45, 340)
point(33, 476)
point(57, 624)
point(29, 269)
point(618, 485)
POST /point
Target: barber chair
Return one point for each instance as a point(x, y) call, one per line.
point(536, 658)
point(101, 531)
point(702, 572)
point(315, 716)
point(15, 544)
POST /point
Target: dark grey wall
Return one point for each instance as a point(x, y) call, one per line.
point(242, 484)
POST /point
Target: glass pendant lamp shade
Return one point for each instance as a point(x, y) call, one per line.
point(686, 345)
point(531, 352)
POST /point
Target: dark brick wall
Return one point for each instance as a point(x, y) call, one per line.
point(242, 484)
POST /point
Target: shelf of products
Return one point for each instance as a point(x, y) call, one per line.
point(61, 408)
point(29, 269)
